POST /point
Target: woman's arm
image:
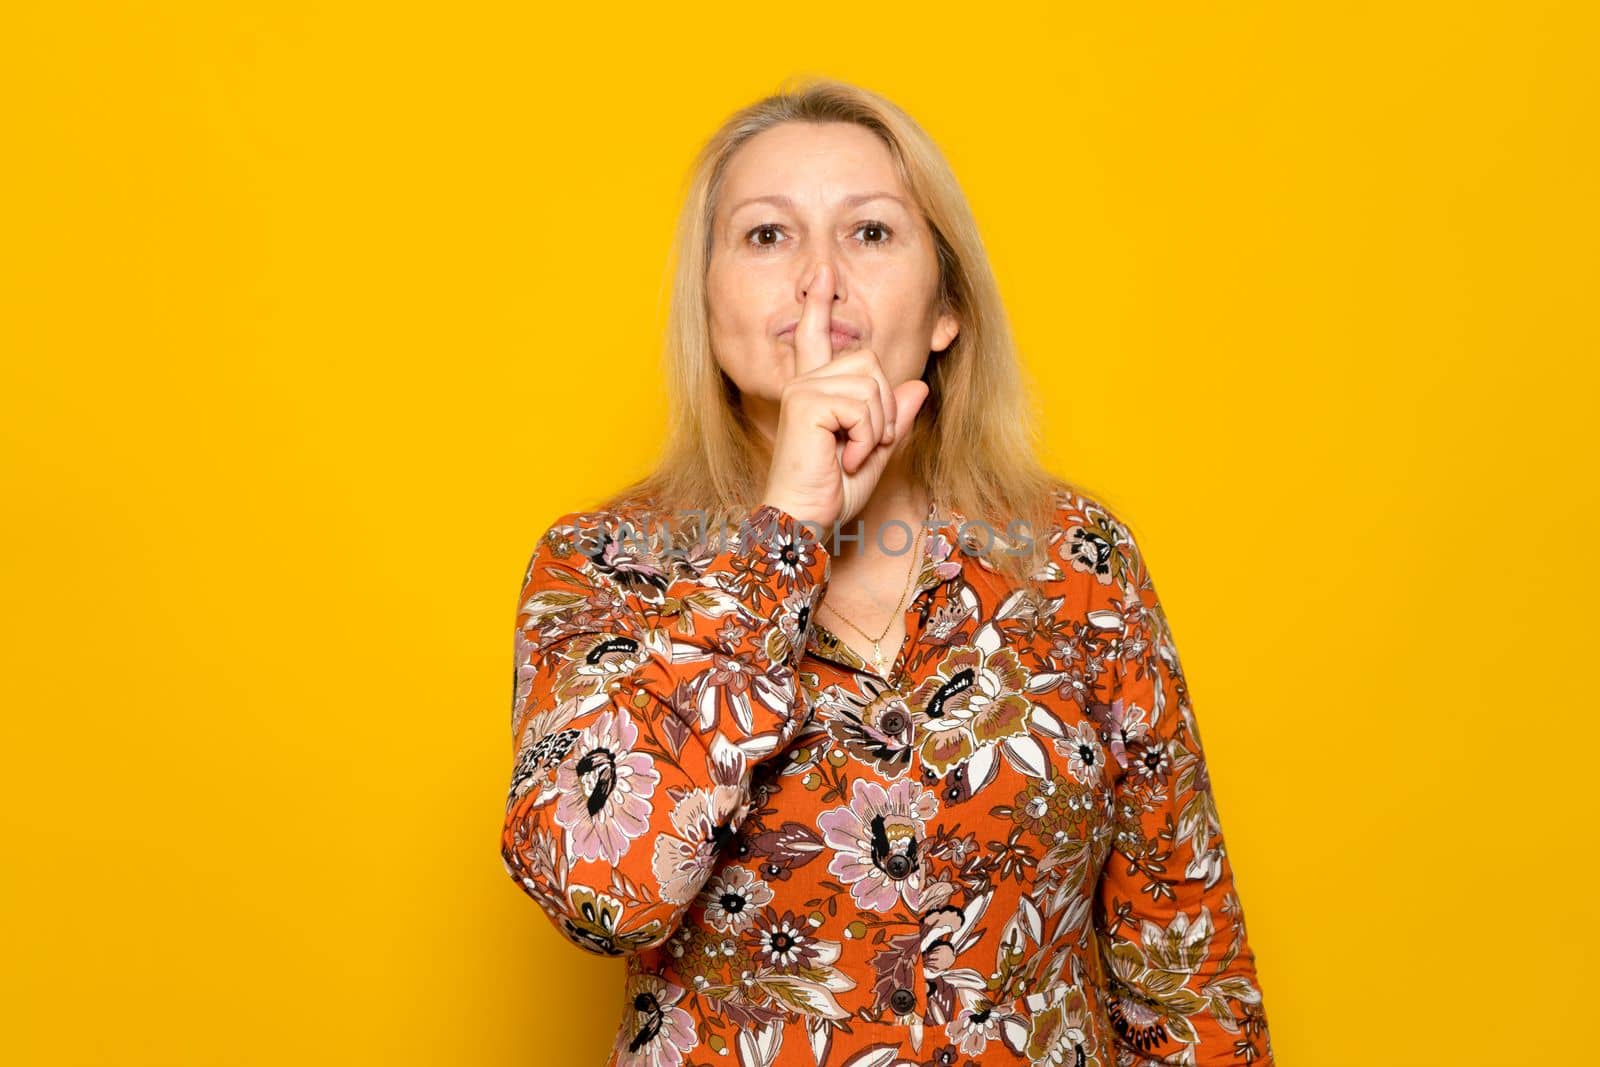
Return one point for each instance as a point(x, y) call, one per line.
point(647, 689)
point(1182, 979)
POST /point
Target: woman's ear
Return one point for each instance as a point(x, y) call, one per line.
point(944, 332)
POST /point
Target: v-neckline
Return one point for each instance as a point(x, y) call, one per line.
point(830, 647)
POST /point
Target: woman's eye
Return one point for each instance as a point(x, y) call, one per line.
point(880, 228)
point(878, 233)
point(761, 230)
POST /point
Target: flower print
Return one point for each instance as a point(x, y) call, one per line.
point(532, 856)
point(1074, 682)
point(1151, 762)
point(550, 614)
point(732, 899)
point(700, 821)
point(629, 556)
point(1181, 945)
point(600, 661)
point(1206, 867)
point(875, 727)
point(894, 967)
point(731, 633)
point(683, 856)
point(1151, 1000)
point(543, 741)
point(788, 556)
point(975, 1026)
point(594, 920)
point(1061, 1032)
point(735, 684)
point(660, 1034)
point(1085, 758)
point(786, 942)
point(605, 788)
point(791, 620)
point(876, 841)
point(963, 852)
point(1125, 726)
point(1076, 914)
point(1052, 807)
point(758, 1044)
point(522, 682)
point(975, 699)
point(1092, 546)
point(1067, 650)
point(780, 968)
point(1202, 777)
point(781, 851)
point(727, 763)
point(1138, 1021)
point(1013, 858)
point(945, 620)
point(936, 553)
point(980, 862)
point(947, 932)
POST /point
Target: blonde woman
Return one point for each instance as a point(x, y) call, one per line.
point(859, 736)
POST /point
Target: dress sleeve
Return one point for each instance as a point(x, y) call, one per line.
point(1181, 984)
point(647, 687)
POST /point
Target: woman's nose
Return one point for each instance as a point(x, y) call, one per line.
point(809, 277)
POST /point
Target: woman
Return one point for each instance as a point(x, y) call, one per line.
point(888, 757)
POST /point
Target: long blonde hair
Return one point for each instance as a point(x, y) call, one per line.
point(974, 443)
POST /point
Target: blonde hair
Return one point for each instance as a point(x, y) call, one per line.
point(973, 444)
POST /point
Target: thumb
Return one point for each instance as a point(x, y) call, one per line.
point(908, 401)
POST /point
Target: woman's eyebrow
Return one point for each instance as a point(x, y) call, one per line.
point(854, 200)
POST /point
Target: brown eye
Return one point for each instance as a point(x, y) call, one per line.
point(753, 238)
point(880, 228)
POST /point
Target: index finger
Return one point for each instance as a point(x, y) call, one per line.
point(812, 343)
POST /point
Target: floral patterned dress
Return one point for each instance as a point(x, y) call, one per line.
point(1005, 852)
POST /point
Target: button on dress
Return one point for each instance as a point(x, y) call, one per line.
point(1006, 851)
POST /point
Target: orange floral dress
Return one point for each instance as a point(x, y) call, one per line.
point(1005, 852)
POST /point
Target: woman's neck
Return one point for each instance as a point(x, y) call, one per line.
point(879, 531)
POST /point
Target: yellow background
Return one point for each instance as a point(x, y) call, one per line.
point(313, 316)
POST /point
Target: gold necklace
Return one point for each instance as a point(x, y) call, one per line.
point(877, 652)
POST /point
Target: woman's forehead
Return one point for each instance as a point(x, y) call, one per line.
point(837, 165)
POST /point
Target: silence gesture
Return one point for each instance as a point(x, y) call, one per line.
point(839, 420)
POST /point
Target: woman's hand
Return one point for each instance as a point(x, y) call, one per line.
point(839, 421)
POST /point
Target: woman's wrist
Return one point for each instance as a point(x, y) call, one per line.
point(797, 511)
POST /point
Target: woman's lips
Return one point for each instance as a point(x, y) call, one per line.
point(838, 338)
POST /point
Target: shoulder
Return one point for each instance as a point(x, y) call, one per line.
point(626, 546)
point(575, 547)
point(589, 529)
point(1091, 540)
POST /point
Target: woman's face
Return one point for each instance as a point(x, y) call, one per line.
point(796, 195)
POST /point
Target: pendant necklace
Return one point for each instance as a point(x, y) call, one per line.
point(877, 652)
